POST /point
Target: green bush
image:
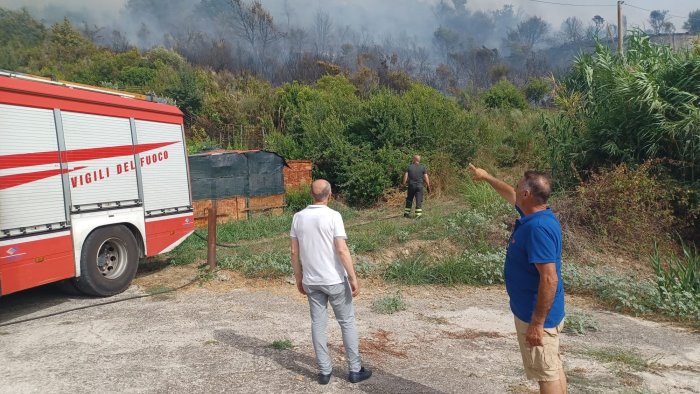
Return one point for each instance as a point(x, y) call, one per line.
point(298, 199)
point(537, 89)
point(363, 182)
point(624, 204)
point(630, 109)
point(504, 95)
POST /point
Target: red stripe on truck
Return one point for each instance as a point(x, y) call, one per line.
point(34, 262)
point(52, 157)
point(9, 181)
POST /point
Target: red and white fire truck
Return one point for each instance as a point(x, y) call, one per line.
point(91, 181)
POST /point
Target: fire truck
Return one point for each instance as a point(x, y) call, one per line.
point(91, 182)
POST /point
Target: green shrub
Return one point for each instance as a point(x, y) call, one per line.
point(624, 204)
point(630, 109)
point(537, 89)
point(364, 181)
point(504, 95)
point(298, 199)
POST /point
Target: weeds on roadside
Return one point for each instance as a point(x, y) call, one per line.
point(192, 249)
point(626, 358)
point(204, 273)
point(263, 226)
point(579, 323)
point(273, 264)
point(675, 293)
point(282, 344)
point(625, 293)
point(477, 267)
point(390, 304)
point(678, 283)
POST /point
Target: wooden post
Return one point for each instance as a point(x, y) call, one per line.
point(211, 237)
point(620, 33)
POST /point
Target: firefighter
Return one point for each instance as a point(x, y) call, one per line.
point(416, 175)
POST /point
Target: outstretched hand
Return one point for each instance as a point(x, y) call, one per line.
point(478, 174)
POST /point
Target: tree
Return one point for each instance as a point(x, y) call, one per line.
point(594, 31)
point(322, 32)
point(668, 28)
point(526, 35)
point(693, 22)
point(572, 29)
point(657, 19)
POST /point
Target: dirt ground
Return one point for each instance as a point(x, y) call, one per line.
point(217, 336)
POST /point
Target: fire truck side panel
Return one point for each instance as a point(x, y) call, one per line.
point(102, 147)
point(31, 194)
point(35, 260)
point(165, 233)
point(164, 170)
point(75, 160)
point(84, 223)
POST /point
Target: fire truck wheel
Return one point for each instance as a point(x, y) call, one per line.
point(108, 261)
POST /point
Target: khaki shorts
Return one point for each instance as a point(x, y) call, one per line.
point(542, 363)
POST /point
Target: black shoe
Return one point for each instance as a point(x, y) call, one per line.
point(407, 215)
point(324, 379)
point(356, 377)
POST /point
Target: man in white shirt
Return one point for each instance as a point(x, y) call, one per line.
point(324, 272)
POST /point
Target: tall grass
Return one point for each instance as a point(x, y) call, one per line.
point(261, 227)
point(678, 282)
point(273, 264)
point(471, 267)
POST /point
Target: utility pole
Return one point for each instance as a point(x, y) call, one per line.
point(619, 26)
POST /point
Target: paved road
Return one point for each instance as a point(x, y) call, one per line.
point(204, 340)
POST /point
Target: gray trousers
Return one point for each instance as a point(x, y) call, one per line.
point(340, 297)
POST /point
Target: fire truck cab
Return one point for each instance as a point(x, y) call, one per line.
point(91, 181)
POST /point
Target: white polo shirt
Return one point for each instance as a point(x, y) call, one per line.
point(316, 227)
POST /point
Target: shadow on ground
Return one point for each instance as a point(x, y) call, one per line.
point(27, 302)
point(380, 382)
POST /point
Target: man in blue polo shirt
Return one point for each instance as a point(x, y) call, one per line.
point(533, 277)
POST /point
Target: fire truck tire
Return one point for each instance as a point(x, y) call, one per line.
point(108, 261)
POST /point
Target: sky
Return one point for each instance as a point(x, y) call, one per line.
point(412, 17)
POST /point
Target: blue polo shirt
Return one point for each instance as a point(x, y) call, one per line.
point(536, 239)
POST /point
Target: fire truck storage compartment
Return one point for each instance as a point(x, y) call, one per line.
point(31, 206)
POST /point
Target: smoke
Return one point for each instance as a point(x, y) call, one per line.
point(412, 18)
point(470, 38)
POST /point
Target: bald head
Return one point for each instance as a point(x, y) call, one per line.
point(320, 190)
point(416, 159)
point(539, 184)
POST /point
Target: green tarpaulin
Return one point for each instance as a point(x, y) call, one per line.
point(230, 174)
